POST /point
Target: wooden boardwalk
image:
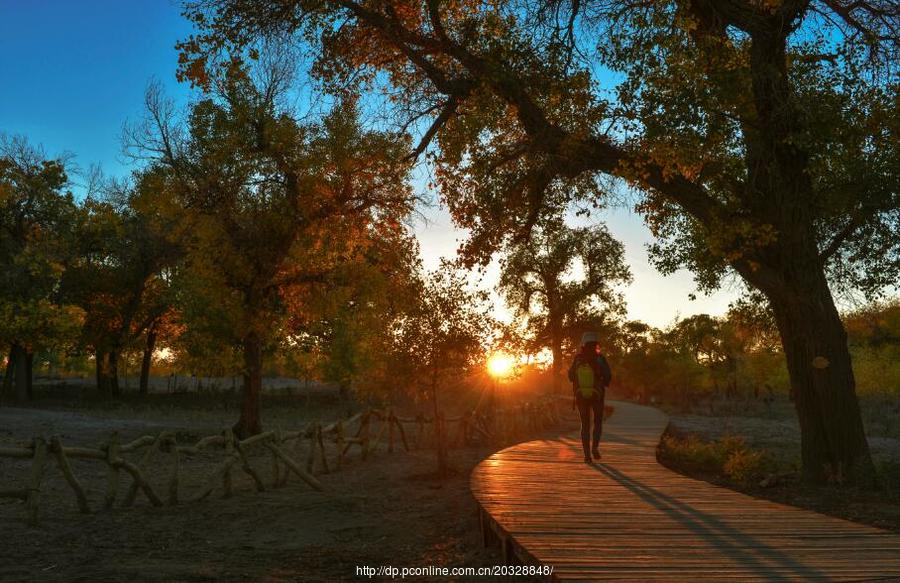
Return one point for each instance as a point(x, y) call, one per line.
point(627, 518)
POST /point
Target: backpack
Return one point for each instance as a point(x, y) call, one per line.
point(585, 379)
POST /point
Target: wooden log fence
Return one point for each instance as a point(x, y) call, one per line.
point(163, 453)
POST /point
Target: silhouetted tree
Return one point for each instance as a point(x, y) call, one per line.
point(441, 338)
point(560, 277)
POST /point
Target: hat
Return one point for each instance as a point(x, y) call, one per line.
point(588, 337)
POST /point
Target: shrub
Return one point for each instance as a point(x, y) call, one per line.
point(746, 466)
point(729, 457)
point(692, 453)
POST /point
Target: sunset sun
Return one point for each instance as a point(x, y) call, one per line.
point(500, 365)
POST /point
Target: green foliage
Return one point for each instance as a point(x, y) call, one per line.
point(746, 466)
point(697, 358)
point(355, 319)
point(760, 138)
point(289, 228)
point(40, 324)
point(527, 113)
point(119, 273)
point(738, 355)
point(36, 242)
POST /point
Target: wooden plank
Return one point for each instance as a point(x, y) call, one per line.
point(627, 518)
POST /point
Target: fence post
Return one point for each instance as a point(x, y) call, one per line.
point(390, 422)
point(245, 465)
point(176, 470)
point(34, 482)
point(229, 452)
point(402, 433)
point(381, 427)
point(420, 431)
point(339, 440)
point(63, 462)
point(321, 443)
point(364, 434)
point(311, 458)
point(131, 495)
point(166, 442)
point(112, 473)
point(276, 463)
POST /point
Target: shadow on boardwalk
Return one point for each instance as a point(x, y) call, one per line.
point(631, 519)
point(748, 550)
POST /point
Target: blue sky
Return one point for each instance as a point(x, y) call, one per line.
point(73, 72)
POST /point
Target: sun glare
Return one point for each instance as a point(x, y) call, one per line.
point(500, 365)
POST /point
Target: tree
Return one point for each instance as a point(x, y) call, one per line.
point(560, 277)
point(120, 275)
point(269, 206)
point(157, 251)
point(36, 215)
point(354, 318)
point(440, 339)
point(761, 137)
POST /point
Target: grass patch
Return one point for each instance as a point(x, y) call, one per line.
point(729, 458)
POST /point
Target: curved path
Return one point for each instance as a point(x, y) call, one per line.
point(628, 518)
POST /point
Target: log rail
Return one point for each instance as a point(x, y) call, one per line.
point(164, 455)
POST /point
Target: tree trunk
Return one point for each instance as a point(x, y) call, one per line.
point(144, 387)
point(554, 330)
point(29, 374)
point(107, 373)
point(833, 444)
point(556, 367)
point(834, 448)
point(20, 357)
point(440, 442)
point(100, 364)
point(114, 387)
point(249, 422)
point(6, 393)
point(556, 342)
point(791, 274)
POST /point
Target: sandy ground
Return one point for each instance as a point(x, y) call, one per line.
point(387, 510)
point(780, 434)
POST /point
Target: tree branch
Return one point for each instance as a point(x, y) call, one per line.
point(447, 112)
point(835, 244)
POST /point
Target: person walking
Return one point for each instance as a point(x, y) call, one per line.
point(590, 375)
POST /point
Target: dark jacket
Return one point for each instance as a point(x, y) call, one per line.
point(602, 372)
